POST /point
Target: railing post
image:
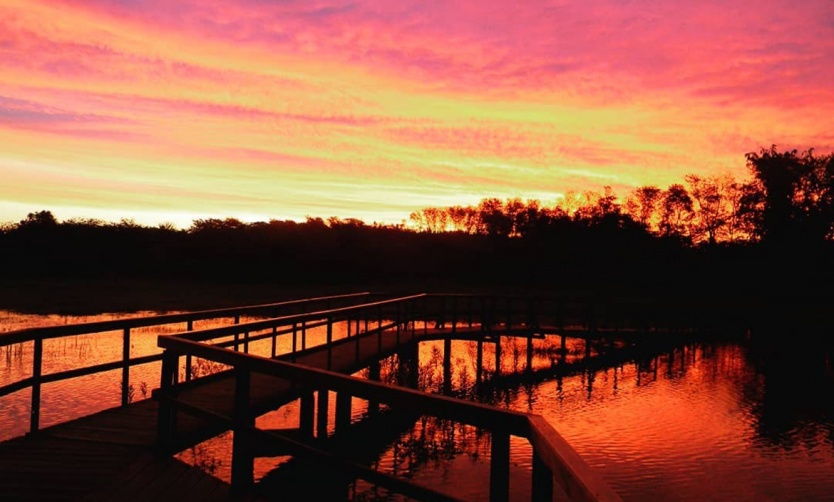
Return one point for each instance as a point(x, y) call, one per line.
point(479, 369)
point(373, 374)
point(447, 365)
point(37, 366)
point(189, 327)
point(303, 335)
point(246, 341)
point(379, 325)
point(329, 341)
point(425, 315)
point(357, 339)
point(499, 467)
point(343, 411)
point(321, 418)
point(398, 321)
point(305, 414)
point(497, 354)
point(542, 480)
point(294, 340)
point(166, 414)
point(125, 366)
point(274, 340)
point(243, 475)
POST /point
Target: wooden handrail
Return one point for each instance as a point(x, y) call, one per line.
point(335, 314)
point(552, 454)
point(512, 422)
point(39, 334)
point(86, 328)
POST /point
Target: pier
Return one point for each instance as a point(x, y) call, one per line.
point(126, 452)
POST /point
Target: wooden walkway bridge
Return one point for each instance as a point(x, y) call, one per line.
point(125, 453)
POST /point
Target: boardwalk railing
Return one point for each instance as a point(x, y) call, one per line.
point(554, 461)
point(37, 336)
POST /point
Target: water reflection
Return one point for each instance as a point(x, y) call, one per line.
point(713, 420)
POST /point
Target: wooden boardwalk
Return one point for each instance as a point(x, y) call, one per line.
point(110, 455)
point(124, 453)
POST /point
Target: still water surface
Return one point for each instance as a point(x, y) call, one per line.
point(708, 421)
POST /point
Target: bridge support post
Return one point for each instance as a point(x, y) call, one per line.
point(499, 467)
point(343, 411)
point(479, 363)
point(542, 480)
point(497, 355)
point(243, 460)
point(306, 414)
point(321, 418)
point(166, 414)
point(126, 397)
point(447, 366)
point(35, 409)
point(373, 374)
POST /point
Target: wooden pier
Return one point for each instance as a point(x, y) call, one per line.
point(125, 453)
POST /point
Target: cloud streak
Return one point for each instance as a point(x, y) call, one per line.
point(419, 100)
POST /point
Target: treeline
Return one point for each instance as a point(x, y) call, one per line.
point(790, 199)
point(712, 239)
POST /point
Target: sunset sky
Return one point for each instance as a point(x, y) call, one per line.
point(167, 111)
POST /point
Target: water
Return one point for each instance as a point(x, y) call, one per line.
point(707, 421)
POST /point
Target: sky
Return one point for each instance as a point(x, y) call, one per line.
point(166, 111)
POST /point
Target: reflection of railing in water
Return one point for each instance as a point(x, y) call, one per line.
point(386, 323)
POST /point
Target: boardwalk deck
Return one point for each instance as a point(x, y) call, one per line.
point(116, 455)
point(109, 455)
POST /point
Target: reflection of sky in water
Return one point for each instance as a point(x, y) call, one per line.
point(706, 422)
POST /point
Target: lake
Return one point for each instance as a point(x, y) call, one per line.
point(716, 420)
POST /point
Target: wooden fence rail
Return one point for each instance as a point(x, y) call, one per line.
point(554, 461)
point(37, 336)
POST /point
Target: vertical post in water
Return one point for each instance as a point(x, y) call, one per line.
point(166, 415)
point(321, 419)
point(497, 355)
point(499, 467)
point(454, 314)
point(126, 367)
point(379, 324)
point(343, 411)
point(542, 479)
point(479, 363)
point(426, 314)
point(37, 365)
point(329, 341)
point(188, 369)
point(447, 365)
point(243, 460)
point(398, 320)
point(373, 374)
point(294, 340)
point(305, 414)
